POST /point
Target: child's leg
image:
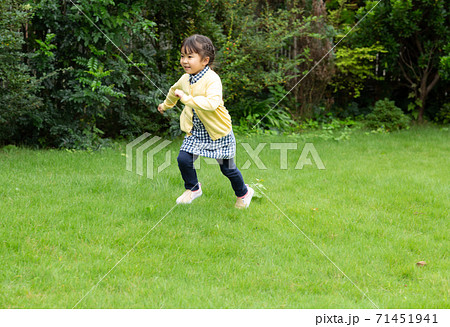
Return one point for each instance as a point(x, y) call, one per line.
point(229, 169)
point(186, 165)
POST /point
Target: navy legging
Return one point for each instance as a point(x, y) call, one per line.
point(227, 167)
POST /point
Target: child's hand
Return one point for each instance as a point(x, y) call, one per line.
point(179, 93)
point(161, 109)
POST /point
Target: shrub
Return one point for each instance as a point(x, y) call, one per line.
point(88, 88)
point(443, 116)
point(388, 116)
point(263, 114)
point(19, 103)
point(272, 45)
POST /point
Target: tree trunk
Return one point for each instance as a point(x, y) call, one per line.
point(421, 109)
point(424, 91)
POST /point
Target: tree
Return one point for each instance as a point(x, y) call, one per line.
point(315, 72)
point(415, 33)
point(353, 61)
point(90, 87)
point(18, 88)
point(269, 48)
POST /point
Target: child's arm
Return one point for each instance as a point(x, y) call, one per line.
point(171, 98)
point(210, 102)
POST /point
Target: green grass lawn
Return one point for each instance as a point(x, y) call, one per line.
point(380, 206)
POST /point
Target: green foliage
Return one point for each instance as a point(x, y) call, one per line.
point(91, 97)
point(90, 88)
point(259, 54)
point(328, 122)
point(354, 66)
point(250, 58)
point(18, 88)
point(387, 116)
point(354, 59)
point(341, 12)
point(412, 35)
point(327, 127)
point(443, 116)
point(89, 139)
point(267, 114)
point(415, 33)
point(444, 65)
point(64, 82)
point(44, 56)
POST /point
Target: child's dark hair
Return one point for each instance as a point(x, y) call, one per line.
point(199, 44)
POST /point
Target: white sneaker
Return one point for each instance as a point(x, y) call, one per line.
point(188, 196)
point(244, 202)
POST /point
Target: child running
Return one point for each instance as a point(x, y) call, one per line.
point(205, 120)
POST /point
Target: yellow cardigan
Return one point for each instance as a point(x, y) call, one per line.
point(205, 97)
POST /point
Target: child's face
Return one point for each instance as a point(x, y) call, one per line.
point(192, 62)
